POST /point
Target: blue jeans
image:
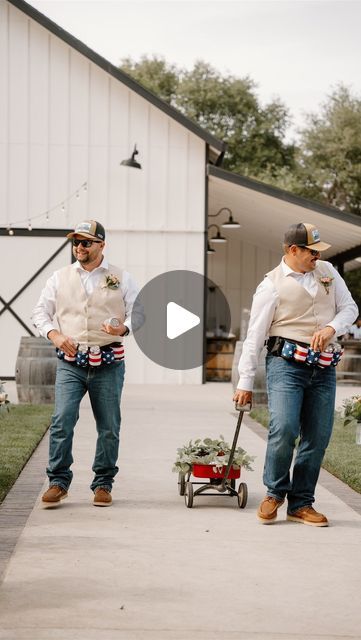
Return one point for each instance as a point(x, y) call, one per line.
point(301, 402)
point(104, 385)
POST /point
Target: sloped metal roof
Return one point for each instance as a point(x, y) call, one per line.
point(265, 212)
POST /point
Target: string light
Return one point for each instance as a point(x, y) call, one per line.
point(62, 205)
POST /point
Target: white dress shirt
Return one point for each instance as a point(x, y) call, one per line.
point(266, 300)
point(44, 311)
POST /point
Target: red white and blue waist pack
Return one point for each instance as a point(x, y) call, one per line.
point(94, 356)
point(303, 353)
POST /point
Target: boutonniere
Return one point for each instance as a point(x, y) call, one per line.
point(111, 282)
point(326, 282)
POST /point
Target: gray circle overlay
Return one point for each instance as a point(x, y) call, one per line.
point(189, 290)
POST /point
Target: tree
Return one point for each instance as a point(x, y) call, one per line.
point(226, 106)
point(329, 164)
point(155, 74)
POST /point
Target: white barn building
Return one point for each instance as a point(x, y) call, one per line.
point(68, 118)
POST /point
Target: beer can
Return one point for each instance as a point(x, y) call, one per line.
point(69, 358)
point(114, 322)
point(95, 356)
point(118, 352)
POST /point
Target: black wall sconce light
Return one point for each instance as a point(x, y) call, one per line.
point(131, 162)
point(218, 237)
point(231, 223)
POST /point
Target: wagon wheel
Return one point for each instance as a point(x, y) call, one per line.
point(242, 495)
point(188, 496)
point(181, 484)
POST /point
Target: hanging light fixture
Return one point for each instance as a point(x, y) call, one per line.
point(231, 223)
point(131, 162)
point(217, 238)
point(210, 250)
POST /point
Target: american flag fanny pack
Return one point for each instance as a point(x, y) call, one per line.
point(93, 356)
point(300, 353)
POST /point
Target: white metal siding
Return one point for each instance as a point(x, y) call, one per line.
point(65, 121)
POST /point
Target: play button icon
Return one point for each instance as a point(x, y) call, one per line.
point(172, 314)
point(179, 320)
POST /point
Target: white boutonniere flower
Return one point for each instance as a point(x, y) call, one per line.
point(111, 282)
point(326, 282)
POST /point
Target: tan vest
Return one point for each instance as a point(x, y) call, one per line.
point(298, 315)
point(80, 316)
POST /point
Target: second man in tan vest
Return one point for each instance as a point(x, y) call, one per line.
point(300, 308)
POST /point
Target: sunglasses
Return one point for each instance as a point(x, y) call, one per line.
point(85, 243)
point(313, 252)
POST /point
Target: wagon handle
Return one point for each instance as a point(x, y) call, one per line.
point(245, 408)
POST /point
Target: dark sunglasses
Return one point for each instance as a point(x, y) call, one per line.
point(85, 243)
point(313, 252)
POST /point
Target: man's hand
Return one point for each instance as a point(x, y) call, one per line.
point(321, 339)
point(114, 331)
point(64, 343)
point(242, 397)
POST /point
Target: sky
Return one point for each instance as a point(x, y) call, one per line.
point(295, 50)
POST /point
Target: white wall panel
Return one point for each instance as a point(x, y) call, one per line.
point(158, 162)
point(18, 181)
point(18, 77)
point(38, 197)
point(69, 122)
point(79, 88)
point(38, 84)
point(4, 69)
point(59, 82)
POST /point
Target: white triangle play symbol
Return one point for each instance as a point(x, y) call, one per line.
point(179, 320)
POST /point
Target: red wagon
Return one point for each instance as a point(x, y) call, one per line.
point(221, 481)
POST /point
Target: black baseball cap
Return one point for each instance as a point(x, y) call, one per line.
point(88, 229)
point(304, 234)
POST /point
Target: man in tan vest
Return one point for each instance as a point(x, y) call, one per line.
point(92, 301)
point(300, 308)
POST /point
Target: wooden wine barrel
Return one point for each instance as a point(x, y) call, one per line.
point(219, 359)
point(349, 368)
point(35, 371)
point(259, 389)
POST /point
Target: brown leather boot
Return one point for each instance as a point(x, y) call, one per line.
point(308, 515)
point(267, 510)
point(102, 497)
point(53, 496)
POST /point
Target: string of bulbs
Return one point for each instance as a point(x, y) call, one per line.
point(61, 205)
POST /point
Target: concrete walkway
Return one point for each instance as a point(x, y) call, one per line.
point(149, 568)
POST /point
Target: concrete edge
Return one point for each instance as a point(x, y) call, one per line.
point(19, 502)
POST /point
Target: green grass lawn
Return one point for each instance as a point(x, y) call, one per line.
point(21, 430)
point(343, 455)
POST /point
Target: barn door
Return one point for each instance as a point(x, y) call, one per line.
point(27, 258)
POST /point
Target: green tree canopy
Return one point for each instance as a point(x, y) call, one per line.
point(329, 161)
point(226, 106)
